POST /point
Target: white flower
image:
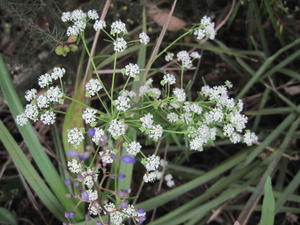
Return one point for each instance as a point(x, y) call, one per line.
point(45, 80)
point(117, 128)
point(74, 166)
point(89, 177)
point(73, 30)
point(94, 208)
point(126, 93)
point(99, 25)
point(93, 195)
point(196, 109)
point(151, 177)
point(133, 148)
point(179, 94)
point(54, 94)
point(168, 177)
point(228, 130)
point(75, 136)
point(118, 27)
point(132, 70)
point(235, 138)
point(163, 163)
point(21, 119)
point(170, 183)
point(31, 112)
point(58, 73)
point(168, 79)
point(89, 115)
point(213, 116)
point(107, 156)
point(92, 87)
point(42, 101)
point(206, 29)
point(78, 14)
point(144, 38)
point(155, 132)
point(66, 16)
point(169, 56)
point(92, 14)
point(195, 55)
point(147, 120)
point(172, 117)
point(122, 103)
point(151, 163)
point(201, 136)
point(250, 138)
point(185, 59)
point(120, 45)
point(238, 121)
point(99, 133)
point(48, 118)
point(30, 94)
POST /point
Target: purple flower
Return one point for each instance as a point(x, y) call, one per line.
point(124, 192)
point(70, 215)
point(67, 182)
point(85, 196)
point(141, 219)
point(91, 132)
point(121, 176)
point(128, 159)
point(84, 156)
point(76, 183)
point(72, 153)
point(124, 205)
point(141, 210)
point(98, 223)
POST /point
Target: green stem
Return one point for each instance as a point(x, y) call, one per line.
point(113, 81)
point(93, 64)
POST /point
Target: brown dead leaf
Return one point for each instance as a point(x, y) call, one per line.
point(160, 16)
point(292, 90)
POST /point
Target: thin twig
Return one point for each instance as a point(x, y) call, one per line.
point(110, 71)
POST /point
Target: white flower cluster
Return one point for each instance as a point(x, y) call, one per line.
point(144, 38)
point(98, 135)
point(206, 29)
point(75, 136)
point(37, 109)
point(120, 44)
point(92, 87)
point(79, 20)
point(118, 27)
point(154, 131)
point(75, 166)
point(184, 58)
point(133, 148)
point(107, 156)
point(148, 90)
point(132, 70)
point(151, 176)
point(151, 163)
point(118, 214)
point(168, 79)
point(179, 94)
point(169, 179)
point(89, 116)
point(89, 177)
point(117, 128)
point(169, 56)
point(46, 79)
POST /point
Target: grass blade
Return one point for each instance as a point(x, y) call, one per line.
point(31, 176)
point(268, 208)
point(30, 138)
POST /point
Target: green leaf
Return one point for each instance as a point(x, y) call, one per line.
point(30, 174)
point(7, 217)
point(268, 208)
point(34, 146)
point(176, 192)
